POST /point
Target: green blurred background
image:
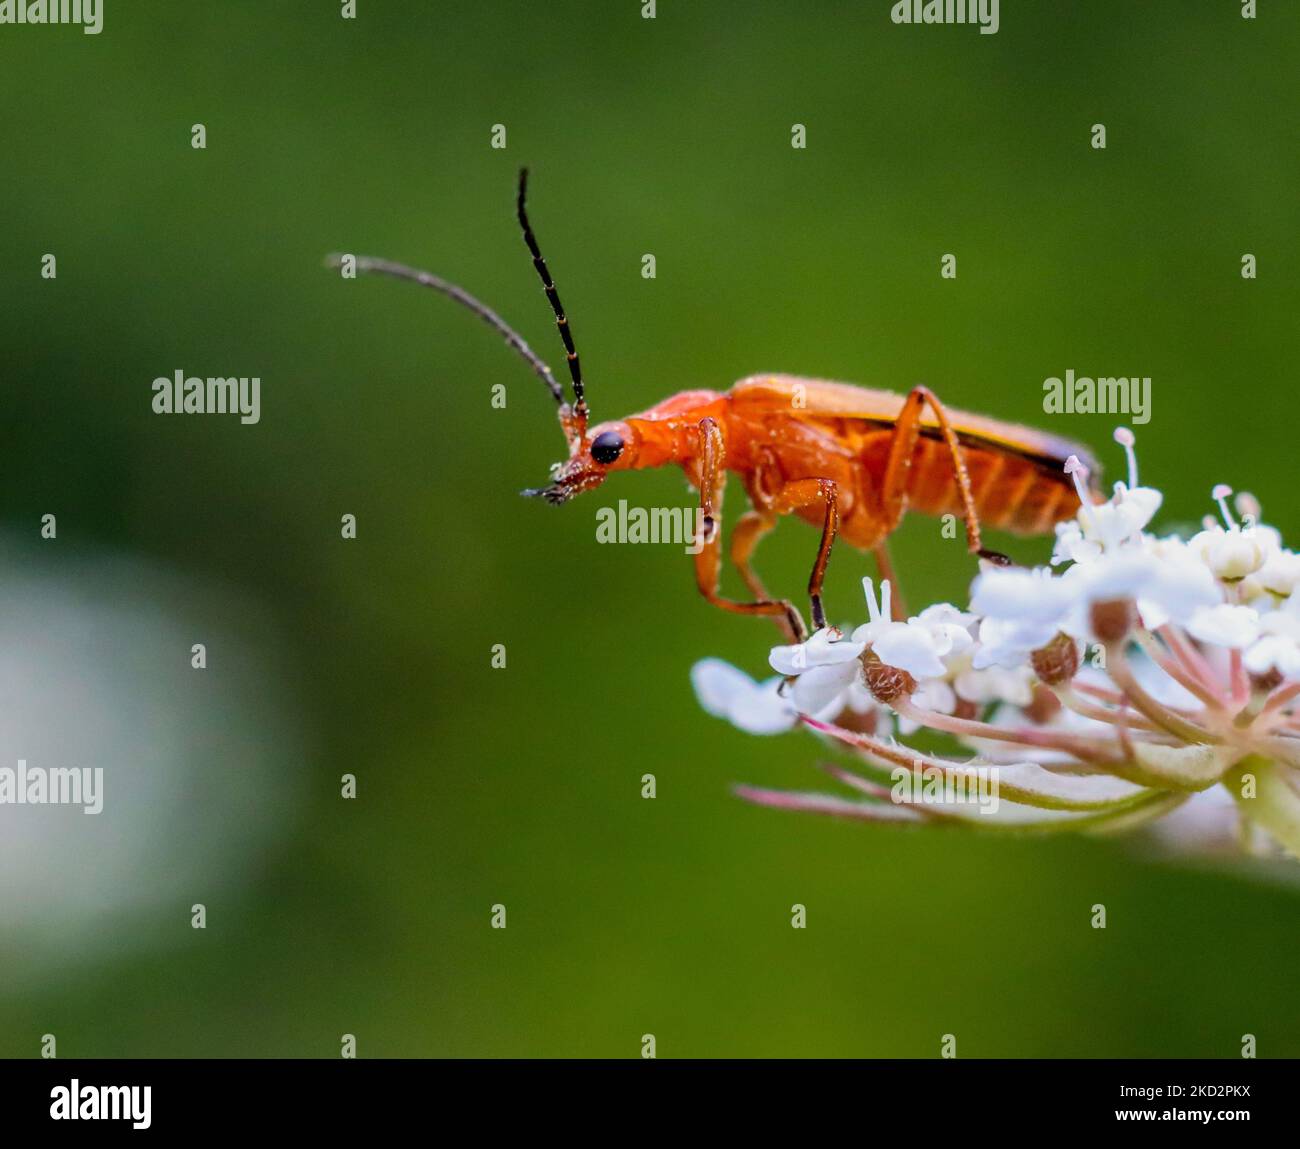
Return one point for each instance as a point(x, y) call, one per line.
point(522, 786)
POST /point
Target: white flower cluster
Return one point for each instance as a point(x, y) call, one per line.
point(1170, 664)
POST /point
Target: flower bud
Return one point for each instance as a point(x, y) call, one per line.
point(886, 683)
point(1057, 662)
point(1266, 682)
point(1280, 575)
point(1111, 621)
point(1231, 555)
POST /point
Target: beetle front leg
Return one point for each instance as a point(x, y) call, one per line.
point(795, 495)
point(708, 560)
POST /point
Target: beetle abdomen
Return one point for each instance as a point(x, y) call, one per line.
point(1013, 492)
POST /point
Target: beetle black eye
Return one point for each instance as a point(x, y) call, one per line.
point(606, 447)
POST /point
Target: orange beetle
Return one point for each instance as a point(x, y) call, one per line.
point(848, 459)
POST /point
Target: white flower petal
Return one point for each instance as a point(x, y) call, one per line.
point(1124, 574)
point(909, 648)
point(1180, 588)
point(1008, 644)
point(1273, 652)
point(996, 684)
point(731, 694)
point(935, 694)
point(716, 683)
point(1020, 595)
point(827, 647)
point(763, 710)
point(1235, 627)
point(817, 689)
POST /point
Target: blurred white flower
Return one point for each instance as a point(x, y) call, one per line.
point(95, 673)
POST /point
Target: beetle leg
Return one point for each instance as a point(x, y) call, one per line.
point(745, 536)
point(708, 560)
point(902, 449)
point(800, 493)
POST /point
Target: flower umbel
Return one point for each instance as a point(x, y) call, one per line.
point(1155, 678)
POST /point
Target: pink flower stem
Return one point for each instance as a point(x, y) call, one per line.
point(1185, 651)
point(900, 756)
point(1089, 749)
point(1115, 698)
point(1118, 717)
point(1240, 685)
point(1179, 672)
point(1118, 665)
point(1280, 697)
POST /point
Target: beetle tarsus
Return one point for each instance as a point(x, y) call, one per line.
point(794, 619)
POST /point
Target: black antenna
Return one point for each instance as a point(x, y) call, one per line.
point(561, 320)
point(368, 264)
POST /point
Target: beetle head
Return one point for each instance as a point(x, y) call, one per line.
point(609, 447)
